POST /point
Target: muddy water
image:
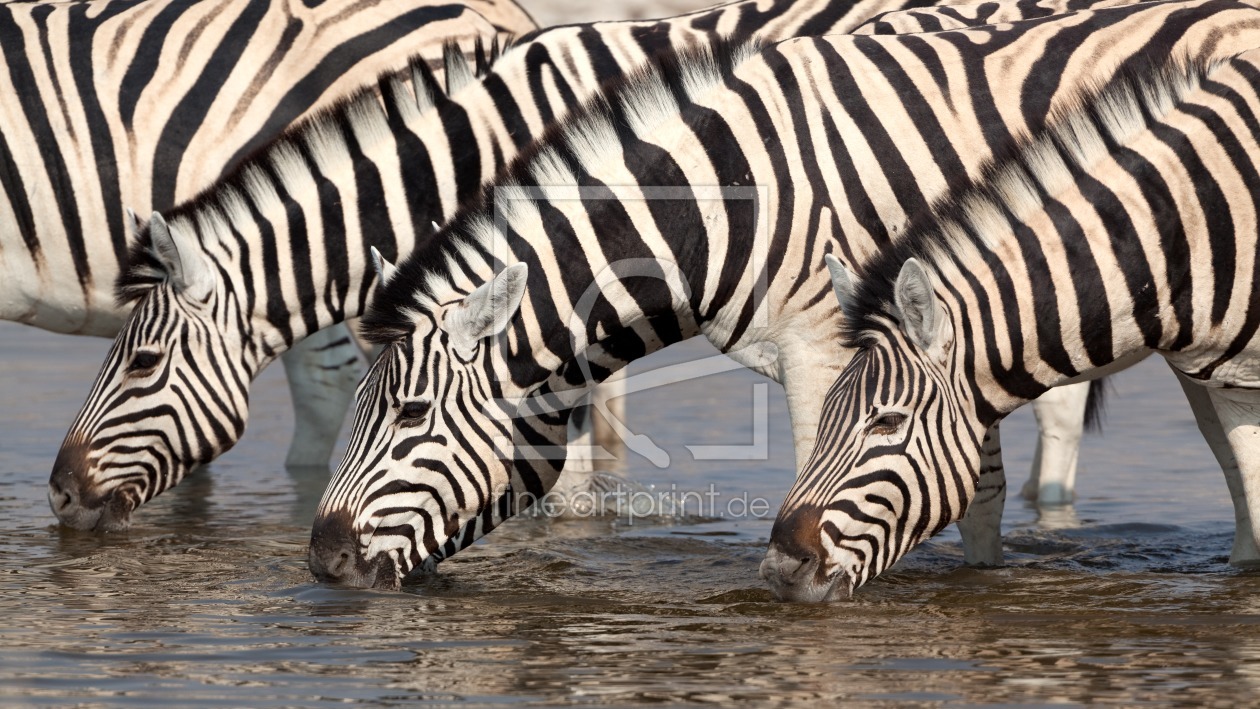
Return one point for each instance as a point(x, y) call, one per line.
point(206, 601)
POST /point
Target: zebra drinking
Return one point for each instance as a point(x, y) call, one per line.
point(277, 251)
point(1127, 226)
point(146, 103)
point(489, 329)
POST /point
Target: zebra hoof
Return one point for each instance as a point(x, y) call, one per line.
point(1054, 494)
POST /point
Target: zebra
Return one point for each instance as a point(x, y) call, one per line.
point(173, 391)
point(1129, 226)
point(146, 103)
point(568, 268)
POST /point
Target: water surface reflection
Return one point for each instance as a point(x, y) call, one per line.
point(1124, 598)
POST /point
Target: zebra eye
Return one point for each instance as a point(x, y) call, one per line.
point(413, 413)
point(144, 361)
point(886, 425)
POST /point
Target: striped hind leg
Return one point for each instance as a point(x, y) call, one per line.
point(322, 370)
point(1230, 423)
point(1060, 415)
point(981, 527)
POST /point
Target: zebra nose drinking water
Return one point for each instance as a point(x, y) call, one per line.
point(796, 560)
point(334, 557)
point(1100, 191)
point(667, 270)
point(68, 488)
point(170, 96)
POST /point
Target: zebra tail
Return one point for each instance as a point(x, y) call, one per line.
point(1096, 404)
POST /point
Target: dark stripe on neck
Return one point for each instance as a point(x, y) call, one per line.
point(340, 61)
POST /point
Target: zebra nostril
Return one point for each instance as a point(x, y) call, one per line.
point(63, 493)
point(788, 567)
point(340, 565)
point(805, 566)
point(61, 500)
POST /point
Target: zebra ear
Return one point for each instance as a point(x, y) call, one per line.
point(487, 310)
point(133, 224)
point(384, 269)
point(843, 282)
point(922, 315)
point(185, 266)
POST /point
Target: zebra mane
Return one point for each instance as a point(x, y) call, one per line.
point(635, 104)
point(365, 111)
point(1017, 181)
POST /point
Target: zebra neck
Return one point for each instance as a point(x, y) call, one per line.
point(627, 290)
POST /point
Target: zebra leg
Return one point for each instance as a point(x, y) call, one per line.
point(981, 526)
point(1060, 415)
point(580, 487)
point(612, 394)
point(1225, 426)
point(323, 370)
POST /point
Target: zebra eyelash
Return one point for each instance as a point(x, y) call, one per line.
point(886, 424)
point(414, 413)
point(144, 361)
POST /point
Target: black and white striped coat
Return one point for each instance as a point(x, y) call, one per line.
point(144, 103)
point(839, 140)
point(280, 250)
point(1130, 225)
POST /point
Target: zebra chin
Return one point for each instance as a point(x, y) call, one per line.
point(77, 505)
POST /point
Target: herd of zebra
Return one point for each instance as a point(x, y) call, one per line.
point(932, 213)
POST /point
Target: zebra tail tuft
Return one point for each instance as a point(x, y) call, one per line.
point(1096, 404)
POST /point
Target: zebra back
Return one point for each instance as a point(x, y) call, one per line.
point(144, 103)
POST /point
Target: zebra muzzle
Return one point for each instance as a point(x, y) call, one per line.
point(74, 501)
point(335, 557)
point(795, 564)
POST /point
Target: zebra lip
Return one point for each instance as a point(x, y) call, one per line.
point(115, 514)
point(388, 576)
point(112, 514)
point(840, 587)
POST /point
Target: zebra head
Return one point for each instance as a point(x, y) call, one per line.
point(897, 455)
point(167, 397)
point(422, 476)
